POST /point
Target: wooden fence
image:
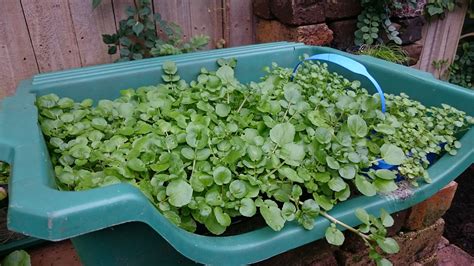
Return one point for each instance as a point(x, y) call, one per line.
point(38, 36)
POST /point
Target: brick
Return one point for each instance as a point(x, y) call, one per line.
point(354, 243)
point(452, 255)
point(273, 30)
point(338, 9)
point(298, 12)
point(427, 212)
point(261, 8)
point(343, 33)
point(407, 9)
point(60, 253)
point(414, 52)
point(414, 247)
point(318, 34)
point(411, 29)
point(318, 253)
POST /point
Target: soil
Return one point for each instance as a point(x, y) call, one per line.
point(459, 218)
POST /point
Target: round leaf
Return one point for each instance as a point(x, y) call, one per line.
point(222, 175)
point(282, 133)
point(334, 236)
point(179, 193)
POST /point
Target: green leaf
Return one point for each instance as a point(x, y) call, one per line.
point(387, 220)
point(225, 73)
point(288, 211)
point(292, 153)
point(290, 174)
point(334, 236)
point(384, 262)
point(136, 165)
point(213, 225)
point(332, 163)
point(357, 126)
point(323, 201)
point(292, 92)
point(362, 215)
point(337, 184)
point(170, 67)
point(392, 154)
point(365, 187)
point(386, 186)
point(247, 207)
point(222, 175)
point(322, 177)
point(389, 245)
point(222, 110)
point(347, 172)
point(272, 216)
point(310, 207)
point(385, 174)
point(282, 134)
point(188, 153)
point(179, 192)
point(384, 128)
point(323, 135)
point(238, 189)
point(221, 217)
point(17, 258)
point(95, 3)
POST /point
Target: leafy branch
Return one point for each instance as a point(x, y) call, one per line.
point(137, 36)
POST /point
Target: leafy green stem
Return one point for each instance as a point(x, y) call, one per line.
point(366, 238)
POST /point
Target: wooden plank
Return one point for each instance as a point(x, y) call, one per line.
point(440, 39)
point(89, 25)
point(239, 22)
point(207, 18)
point(17, 60)
point(52, 34)
point(176, 11)
point(194, 17)
point(119, 9)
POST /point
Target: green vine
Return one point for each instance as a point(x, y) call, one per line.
point(461, 71)
point(137, 35)
point(375, 18)
point(438, 8)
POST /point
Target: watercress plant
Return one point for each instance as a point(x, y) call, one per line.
point(214, 149)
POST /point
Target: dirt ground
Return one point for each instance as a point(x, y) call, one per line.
point(459, 229)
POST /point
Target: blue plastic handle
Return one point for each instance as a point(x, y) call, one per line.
point(349, 64)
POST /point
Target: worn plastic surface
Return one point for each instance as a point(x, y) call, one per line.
point(38, 209)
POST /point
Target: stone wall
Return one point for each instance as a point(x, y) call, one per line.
point(330, 23)
point(417, 230)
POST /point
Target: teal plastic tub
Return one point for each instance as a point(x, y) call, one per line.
point(117, 225)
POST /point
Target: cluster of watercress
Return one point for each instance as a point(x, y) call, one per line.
point(213, 149)
point(4, 173)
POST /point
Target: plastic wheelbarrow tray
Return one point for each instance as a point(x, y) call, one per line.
point(117, 225)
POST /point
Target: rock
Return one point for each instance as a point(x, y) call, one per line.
point(298, 12)
point(337, 9)
point(273, 30)
point(411, 29)
point(261, 8)
point(414, 52)
point(343, 33)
